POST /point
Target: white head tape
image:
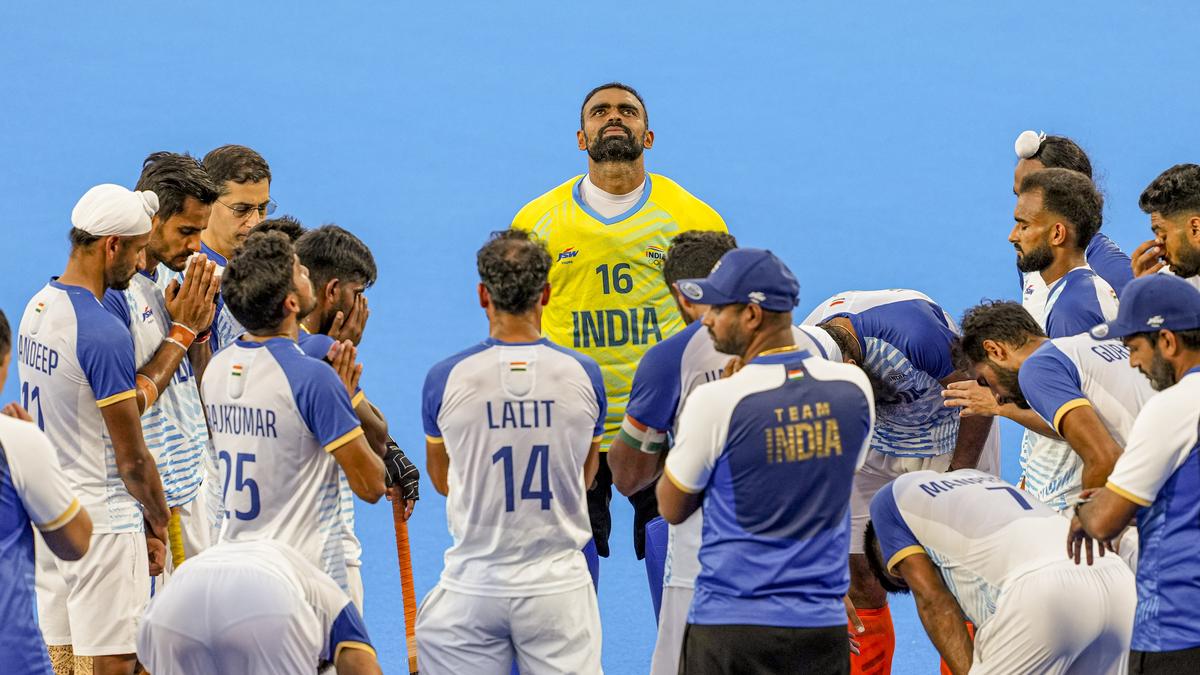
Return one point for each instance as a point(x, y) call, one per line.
point(1028, 143)
point(109, 209)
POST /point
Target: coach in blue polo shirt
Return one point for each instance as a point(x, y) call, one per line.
point(770, 453)
point(1157, 478)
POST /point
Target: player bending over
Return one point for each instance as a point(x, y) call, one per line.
point(967, 543)
point(513, 427)
point(253, 607)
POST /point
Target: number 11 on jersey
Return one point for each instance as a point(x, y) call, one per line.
point(539, 466)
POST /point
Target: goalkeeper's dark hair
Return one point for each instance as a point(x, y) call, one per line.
point(332, 252)
point(258, 279)
point(1060, 152)
point(514, 267)
point(875, 562)
point(693, 253)
point(1174, 191)
point(1071, 195)
point(997, 320)
point(613, 85)
point(288, 225)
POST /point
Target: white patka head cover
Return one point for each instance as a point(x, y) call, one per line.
point(108, 210)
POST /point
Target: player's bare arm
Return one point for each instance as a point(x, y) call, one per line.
point(1088, 437)
point(1105, 515)
point(191, 307)
point(674, 504)
point(375, 427)
point(357, 662)
point(974, 399)
point(437, 465)
point(972, 432)
point(939, 611)
point(591, 465)
point(363, 468)
point(135, 464)
point(632, 468)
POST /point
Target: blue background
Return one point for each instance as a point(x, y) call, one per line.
point(870, 145)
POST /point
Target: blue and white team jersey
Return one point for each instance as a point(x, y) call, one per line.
point(1074, 304)
point(1102, 255)
point(276, 417)
point(75, 358)
point(1160, 472)
point(774, 449)
point(317, 345)
point(32, 491)
point(905, 339)
point(981, 532)
point(665, 376)
point(1067, 373)
point(174, 427)
point(518, 421)
point(225, 329)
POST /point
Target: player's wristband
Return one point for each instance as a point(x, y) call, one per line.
point(181, 335)
point(148, 388)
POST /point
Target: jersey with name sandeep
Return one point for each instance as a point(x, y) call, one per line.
point(774, 449)
point(174, 427)
point(276, 417)
point(608, 299)
point(981, 532)
point(1067, 373)
point(905, 339)
point(518, 421)
point(75, 358)
point(667, 374)
point(1160, 472)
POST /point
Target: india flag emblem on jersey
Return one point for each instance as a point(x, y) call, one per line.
point(795, 374)
point(39, 308)
point(237, 370)
point(518, 366)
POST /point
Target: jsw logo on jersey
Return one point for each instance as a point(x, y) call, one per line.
point(147, 313)
point(566, 256)
point(1029, 290)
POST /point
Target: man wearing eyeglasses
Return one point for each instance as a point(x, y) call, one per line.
point(245, 183)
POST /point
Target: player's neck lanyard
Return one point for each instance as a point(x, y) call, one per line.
point(779, 350)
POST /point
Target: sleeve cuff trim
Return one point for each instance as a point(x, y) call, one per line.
point(62, 520)
point(900, 555)
point(1066, 408)
point(344, 439)
point(116, 398)
point(1126, 494)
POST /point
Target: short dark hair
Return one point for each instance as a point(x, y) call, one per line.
point(1190, 339)
point(175, 177)
point(1071, 195)
point(1060, 152)
point(513, 266)
point(1176, 190)
point(875, 561)
point(693, 253)
point(613, 85)
point(285, 224)
point(5, 334)
point(331, 252)
point(80, 238)
point(997, 320)
point(235, 163)
point(258, 279)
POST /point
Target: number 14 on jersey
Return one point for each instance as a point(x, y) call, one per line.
point(538, 468)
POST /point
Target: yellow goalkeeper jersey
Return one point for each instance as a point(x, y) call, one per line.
point(607, 294)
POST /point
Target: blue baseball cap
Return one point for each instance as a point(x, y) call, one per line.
point(749, 276)
point(1152, 303)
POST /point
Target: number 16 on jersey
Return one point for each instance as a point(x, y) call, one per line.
point(538, 468)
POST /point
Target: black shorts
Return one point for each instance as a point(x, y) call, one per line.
point(1167, 663)
point(645, 509)
point(738, 649)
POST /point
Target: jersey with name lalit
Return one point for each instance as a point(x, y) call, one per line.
point(981, 532)
point(174, 428)
point(225, 329)
point(1067, 373)
point(1160, 472)
point(905, 339)
point(609, 301)
point(276, 417)
point(32, 491)
point(75, 358)
point(667, 374)
point(774, 449)
point(518, 421)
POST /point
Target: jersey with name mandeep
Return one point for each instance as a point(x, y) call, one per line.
point(276, 416)
point(981, 532)
point(174, 427)
point(1067, 373)
point(667, 374)
point(774, 449)
point(75, 358)
point(905, 339)
point(1160, 472)
point(518, 421)
point(609, 299)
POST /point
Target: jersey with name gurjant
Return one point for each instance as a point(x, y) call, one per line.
point(32, 491)
point(667, 374)
point(1160, 472)
point(774, 449)
point(905, 339)
point(317, 345)
point(981, 532)
point(174, 427)
point(518, 421)
point(1064, 374)
point(276, 416)
point(609, 300)
point(75, 358)
point(225, 329)
point(1102, 255)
